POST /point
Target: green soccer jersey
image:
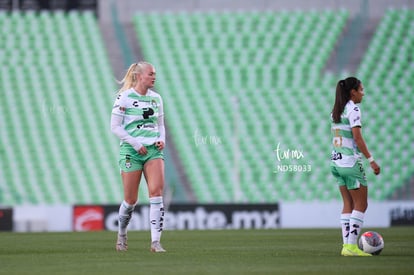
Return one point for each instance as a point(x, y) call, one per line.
point(140, 115)
point(345, 152)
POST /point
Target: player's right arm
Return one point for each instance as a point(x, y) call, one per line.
point(117, 117)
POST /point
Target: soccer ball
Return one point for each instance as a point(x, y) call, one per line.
point(371, 242)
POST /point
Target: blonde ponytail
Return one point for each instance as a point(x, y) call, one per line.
point(130, 78)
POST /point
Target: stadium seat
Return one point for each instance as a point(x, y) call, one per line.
point(58, 154)
point(236, 85)
point(223, 56)
point(259, 58)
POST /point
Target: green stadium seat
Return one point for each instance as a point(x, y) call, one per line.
point(213, 71)
point(206, 61)
point(58, 147)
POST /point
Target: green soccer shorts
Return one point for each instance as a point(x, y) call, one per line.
point(351, 177)
point(130, 160)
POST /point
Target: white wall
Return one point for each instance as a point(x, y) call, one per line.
point(38, 218)
point(292, 215)
point(314, 214)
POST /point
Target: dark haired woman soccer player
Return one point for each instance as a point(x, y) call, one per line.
point(346, 165)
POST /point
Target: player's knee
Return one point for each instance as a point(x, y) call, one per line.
point(155, 189)
point(157, 193)
point(361, 206)
point(131, 201)
point(366, 206)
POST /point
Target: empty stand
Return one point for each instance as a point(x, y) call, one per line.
point(209, 61)
point(58, 89)
point(240, 89)
point(388, 73)
point(254, 81)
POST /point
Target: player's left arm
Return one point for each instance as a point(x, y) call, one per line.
point(360, 142)
point(160, 143)
point(362, 146)
point(355, 123)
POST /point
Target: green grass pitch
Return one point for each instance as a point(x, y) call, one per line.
point(282, 251)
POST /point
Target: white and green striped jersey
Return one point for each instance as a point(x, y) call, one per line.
point(345, 151)
point(141, 115)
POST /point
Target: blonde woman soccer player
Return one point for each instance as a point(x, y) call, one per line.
point(138, 121)
point(346, 165)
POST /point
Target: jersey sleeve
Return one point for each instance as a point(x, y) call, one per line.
point(355, 117)
point(119, 106)
point(161, 107)
point(118, 112)
point(119, 131)
point(161, 126)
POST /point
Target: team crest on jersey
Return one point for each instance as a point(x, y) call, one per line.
point(154, 104)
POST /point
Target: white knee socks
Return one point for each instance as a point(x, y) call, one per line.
point(125, 213)
point(156, 218)
point(345, 226)
point(355, 224)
